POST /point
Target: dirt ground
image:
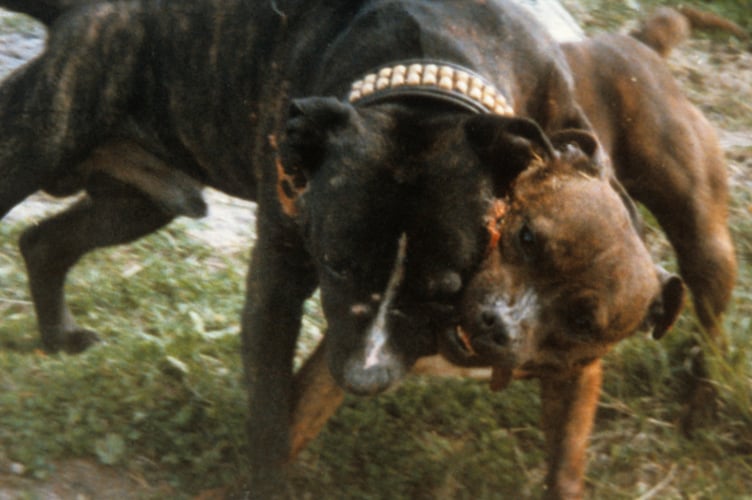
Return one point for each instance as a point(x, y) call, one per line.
point(717, 76)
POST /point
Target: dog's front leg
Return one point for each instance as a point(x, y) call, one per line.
point(569, 405)
point(279, 281)
point(316, 396)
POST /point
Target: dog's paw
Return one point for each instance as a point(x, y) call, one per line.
point(700, 411)
point(701, 404)
point(77, 341)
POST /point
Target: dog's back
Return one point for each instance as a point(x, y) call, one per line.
point(46, 11)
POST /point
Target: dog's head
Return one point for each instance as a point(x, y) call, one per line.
point(570, 274)
point(391, 201)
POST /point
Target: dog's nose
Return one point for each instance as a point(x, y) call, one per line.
point(491, 325)
point(369, 380)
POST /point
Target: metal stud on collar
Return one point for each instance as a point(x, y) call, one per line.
point(439, 80)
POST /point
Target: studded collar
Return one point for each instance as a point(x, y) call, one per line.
point(434, 79)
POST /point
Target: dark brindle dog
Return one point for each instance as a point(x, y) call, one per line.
point(379, 195)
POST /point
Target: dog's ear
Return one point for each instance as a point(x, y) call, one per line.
point(508, 145)
point(310, 121)
point(585, 142)
point(582, 139)
point(666, 307)
point(629, 204)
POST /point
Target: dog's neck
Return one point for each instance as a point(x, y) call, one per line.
point(437, 80)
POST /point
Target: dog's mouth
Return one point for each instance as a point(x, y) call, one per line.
point(456, 345)
point(459, 348)
point(463, 340)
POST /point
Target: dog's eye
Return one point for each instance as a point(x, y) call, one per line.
point(582, 318)
point(337, 269)
point(582, 324)
point(526, 241)
point(583, 329)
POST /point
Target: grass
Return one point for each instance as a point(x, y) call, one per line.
point(163, 398)
point(164, 393)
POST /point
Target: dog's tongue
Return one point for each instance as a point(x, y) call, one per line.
point(500, 378)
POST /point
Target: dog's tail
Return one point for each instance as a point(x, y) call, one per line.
point(668, 27)
point(45, 11)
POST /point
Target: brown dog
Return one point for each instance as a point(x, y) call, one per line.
point(568, 281)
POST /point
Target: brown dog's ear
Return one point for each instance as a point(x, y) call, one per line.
point(508, 145)
point(666, 308)
point(585, 142)
point(310, 121)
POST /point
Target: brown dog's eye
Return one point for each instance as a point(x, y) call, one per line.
point(582, 324)
point(582, 319)
point(527, 242)
point(583, 329)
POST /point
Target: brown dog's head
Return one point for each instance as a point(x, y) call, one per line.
point(569, 275)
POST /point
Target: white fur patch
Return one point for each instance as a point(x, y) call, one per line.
point(376, 339)
point(519, 315)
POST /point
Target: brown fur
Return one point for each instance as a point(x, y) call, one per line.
point(669, 27)
point(668, 157)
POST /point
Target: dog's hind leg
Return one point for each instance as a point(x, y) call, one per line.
point(685, 187)
point(682, 180)
point(112, 214)
point(695, 222)
point(131, 193)
point(57, 108)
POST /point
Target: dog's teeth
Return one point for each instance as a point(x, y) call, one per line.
point(465, 340)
